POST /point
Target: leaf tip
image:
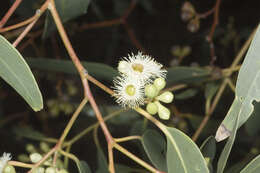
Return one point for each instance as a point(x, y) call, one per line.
point(222, 133)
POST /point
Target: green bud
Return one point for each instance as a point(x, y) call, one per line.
point(48, 162)
point(38, 170)
point(35, 157)
point(30, 148)
point(63, 171)
point(166, 97)
point(9, 169)
point(44, 147)
point(152, 108)
point(159, 83)
point(151, 91)
point(163, 112)
point(50, 170)
point(23, 158)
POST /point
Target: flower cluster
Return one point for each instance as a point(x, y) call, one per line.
point(141, 78)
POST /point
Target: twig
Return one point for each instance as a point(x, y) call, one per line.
point(10, 12)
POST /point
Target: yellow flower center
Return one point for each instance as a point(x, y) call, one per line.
point(138, 67)
point(130, 90)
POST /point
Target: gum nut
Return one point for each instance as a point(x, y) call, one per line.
point(122, 66)
point(163, 112)
point(23, 158)
point(152, 108)
point(151, 91)
point(9, 169)
point(166, 97)
point(35, 157)
point(159, 83)
point(50, 170)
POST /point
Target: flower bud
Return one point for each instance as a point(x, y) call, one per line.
point(30, 148)
point(151, 91)
point(194, 25)
point(23, 158)
point(187, 11)
point(166, 97)
point(50, 170)
point(152, 108)
point(35, 157)
point(163, 112)
point(159, 83)
point(9, 169)
point(44, 147)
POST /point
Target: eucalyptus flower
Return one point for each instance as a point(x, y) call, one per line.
point(142, 67)
point(129, 92)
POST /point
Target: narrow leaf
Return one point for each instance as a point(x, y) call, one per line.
point(253, 166)
point(15, 71)
point(98, 70)
point(83, 167)
point(247, 90)
point(183, 155)
point(227, 149)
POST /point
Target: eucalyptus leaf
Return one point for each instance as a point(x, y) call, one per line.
point(15, 71)
point(28, 132)
point(83, 167)
point(186, 94)
point(155, 147)
point(183, 155)
point(67, 10)
point(102, 162)
point(98, 70)
point(253, 166)
point(222, 161)
point(247, 90)
point(211, 89)
point(208, 148)
point(252, 125)
point(187, 74)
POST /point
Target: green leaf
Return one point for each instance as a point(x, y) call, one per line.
point(211, 89)
point(83, 167)
point(208, 148)
point(67, 10)
point(183, 155)
point(101, 161)
point(253, 166)
point(228, 146)
point(187, 75)
point(186, 94)
point(28, 132)
point(247, 90)
point(123, 169)
point(252, 125)
point(98, 70)
point(15, 71)
point(155, 146)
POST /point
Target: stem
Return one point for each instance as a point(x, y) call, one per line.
point(20, 164)
point(22, 35)
point(71, 122)
point(93, 126)
point(10, 12)
point(28, 21)
point(128, 138)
